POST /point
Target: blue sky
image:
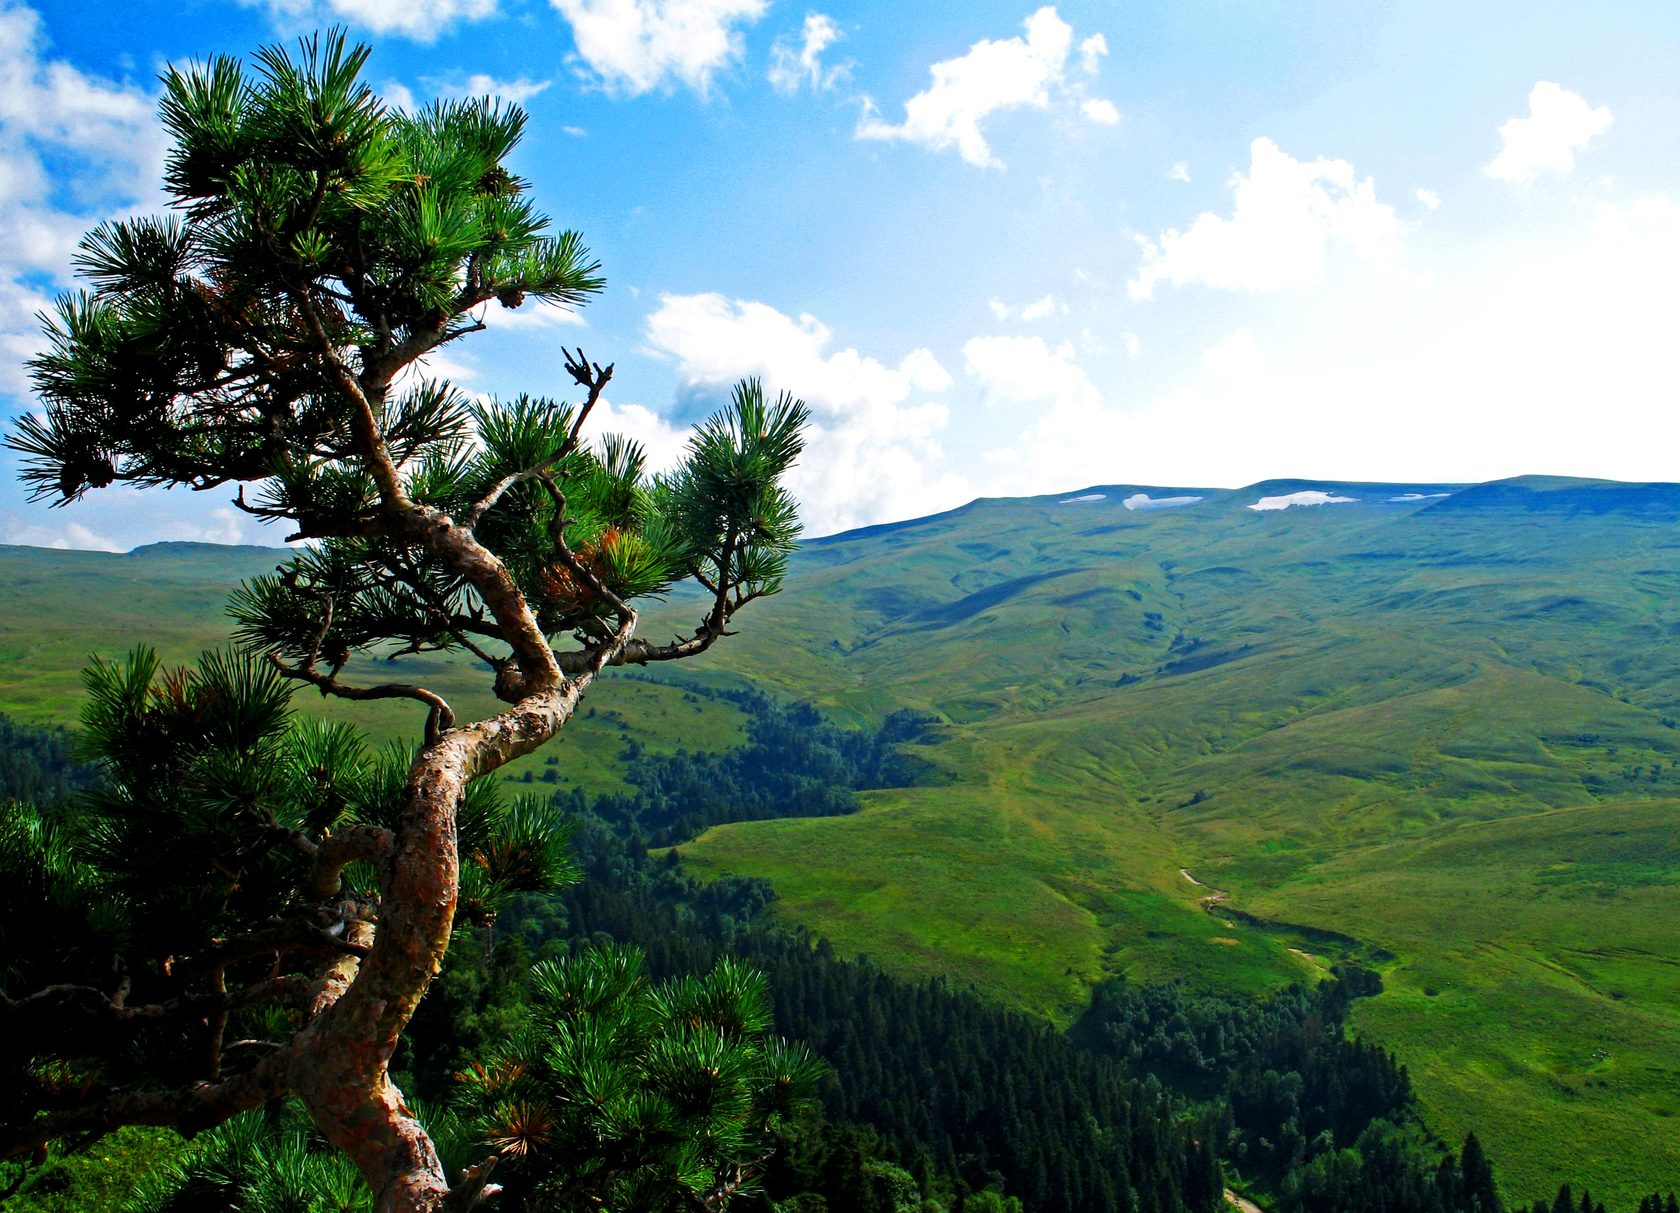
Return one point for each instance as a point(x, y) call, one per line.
point(999, 248)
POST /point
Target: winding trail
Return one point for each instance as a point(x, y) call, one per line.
point(1214, 897)
point(1231, 1198)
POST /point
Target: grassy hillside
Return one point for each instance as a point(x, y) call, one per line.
point(1431, 727)
point(1435, 732)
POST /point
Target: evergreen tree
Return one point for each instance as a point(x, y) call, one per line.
point(1478, 1193)
point(269, 333)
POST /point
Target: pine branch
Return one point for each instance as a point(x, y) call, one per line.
point(593, 378)
point(51, 1010)
point(440, 720)
point(189, 1108)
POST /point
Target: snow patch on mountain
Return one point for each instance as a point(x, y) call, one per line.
point(1307, 497)
point(1143, 501)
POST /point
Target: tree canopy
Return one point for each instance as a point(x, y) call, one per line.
point(258, 905)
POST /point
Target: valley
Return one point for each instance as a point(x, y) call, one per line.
point(1435, 733)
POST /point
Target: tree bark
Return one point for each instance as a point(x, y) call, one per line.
point(340, 1062)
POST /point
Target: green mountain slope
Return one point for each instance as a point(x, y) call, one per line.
point(1435, 732)
point(1432, 726)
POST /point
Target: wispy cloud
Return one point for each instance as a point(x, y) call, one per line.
point(798, 62)
point(1038, 309)
point(479, 84)
point(420, 20)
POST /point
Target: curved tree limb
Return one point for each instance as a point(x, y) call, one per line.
point(356, 841)
point(441, 719)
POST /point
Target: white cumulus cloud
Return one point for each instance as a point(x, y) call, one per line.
point(1091, 52)
point(1027, 72)
point(1529, 352)
point(797, 63)
point(1015, 371)
point(873, 450)
point(72, 536)
point(1287, 215)
point(421, 20)
point(636, 46)
point(1240, 356)
point(1559, 124)
point(1067, 435)
point(662, 442)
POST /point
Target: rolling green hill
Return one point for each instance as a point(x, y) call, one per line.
point(1431, 726)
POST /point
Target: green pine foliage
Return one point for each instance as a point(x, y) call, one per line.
point(201, 830)
point(632, 1096)
point(610, 1093)
point(172, 369)
point(321, 242)
point(268, 1160)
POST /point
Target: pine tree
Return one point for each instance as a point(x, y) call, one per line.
point(1478, 1193)
point(269, 334)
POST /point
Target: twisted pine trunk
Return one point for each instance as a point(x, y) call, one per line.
point(340, 1064)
